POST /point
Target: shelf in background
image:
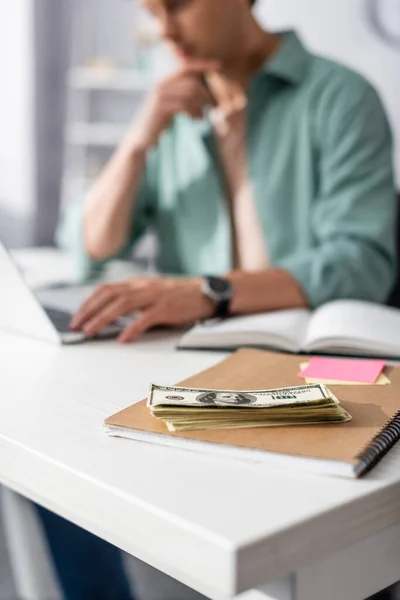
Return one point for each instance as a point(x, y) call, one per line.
point(124, 80)
point(95, 134)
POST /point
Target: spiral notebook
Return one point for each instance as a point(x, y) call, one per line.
point(349, 449)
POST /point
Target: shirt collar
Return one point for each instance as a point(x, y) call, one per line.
point(291, 61)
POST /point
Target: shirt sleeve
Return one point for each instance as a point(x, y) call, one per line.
point(70, 234)
point(353, 218)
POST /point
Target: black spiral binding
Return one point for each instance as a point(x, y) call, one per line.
point(380, 445)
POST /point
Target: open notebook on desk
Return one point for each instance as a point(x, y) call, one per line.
point(341, 327)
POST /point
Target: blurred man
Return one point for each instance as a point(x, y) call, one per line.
point(284, 191)
point(266, 173)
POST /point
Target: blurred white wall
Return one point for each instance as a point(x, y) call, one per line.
point(340, 29)
point(17, 172)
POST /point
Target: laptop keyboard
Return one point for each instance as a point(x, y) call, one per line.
point(60, 319)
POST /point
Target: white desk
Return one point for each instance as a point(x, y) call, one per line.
point(222, 527)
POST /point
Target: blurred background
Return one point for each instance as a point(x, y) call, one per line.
point(75, 73)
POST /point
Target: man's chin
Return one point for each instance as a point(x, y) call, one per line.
point(182, 54)
point(189, 55)
point(189, 58)
point(185, 57)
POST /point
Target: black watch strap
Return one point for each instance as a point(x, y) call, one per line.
point(222, 309)
point(220, 291)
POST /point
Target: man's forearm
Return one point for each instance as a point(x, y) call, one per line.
point(108, 209)
point(262, 291)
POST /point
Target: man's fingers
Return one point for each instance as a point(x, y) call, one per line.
point(186, 92)
point(193, 109)
point(191, 72)
point(190, 99)
point(211, 98)
point(145, 321)
point(98, 300)
point(195, 87)
point(191, 88)
point(188, 71)
point(107, 315)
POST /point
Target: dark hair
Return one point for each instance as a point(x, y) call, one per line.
point(252, 2)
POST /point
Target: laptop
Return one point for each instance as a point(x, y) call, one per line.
point(22, 312)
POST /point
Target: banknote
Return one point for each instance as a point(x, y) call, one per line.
point(181, 396)
point(341, 416)
point(183, 408)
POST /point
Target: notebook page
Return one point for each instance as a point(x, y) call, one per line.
point(354, 324)
point(284, 329)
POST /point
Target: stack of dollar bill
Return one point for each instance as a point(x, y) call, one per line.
point(190, 408)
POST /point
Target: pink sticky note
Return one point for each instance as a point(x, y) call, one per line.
point(343, 369)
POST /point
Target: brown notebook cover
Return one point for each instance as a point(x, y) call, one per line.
point(375, 410)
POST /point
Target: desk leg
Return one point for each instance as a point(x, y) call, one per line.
point(284, 589)
point(30, 562)
point(355, 573)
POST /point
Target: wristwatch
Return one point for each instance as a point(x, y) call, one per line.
point(220, 291)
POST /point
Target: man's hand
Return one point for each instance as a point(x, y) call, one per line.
point(159, 300)
point(182, 92)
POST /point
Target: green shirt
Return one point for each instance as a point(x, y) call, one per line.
point(319, 155)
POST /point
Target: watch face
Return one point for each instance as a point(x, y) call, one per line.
point(219, 290)
point(219, 286)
